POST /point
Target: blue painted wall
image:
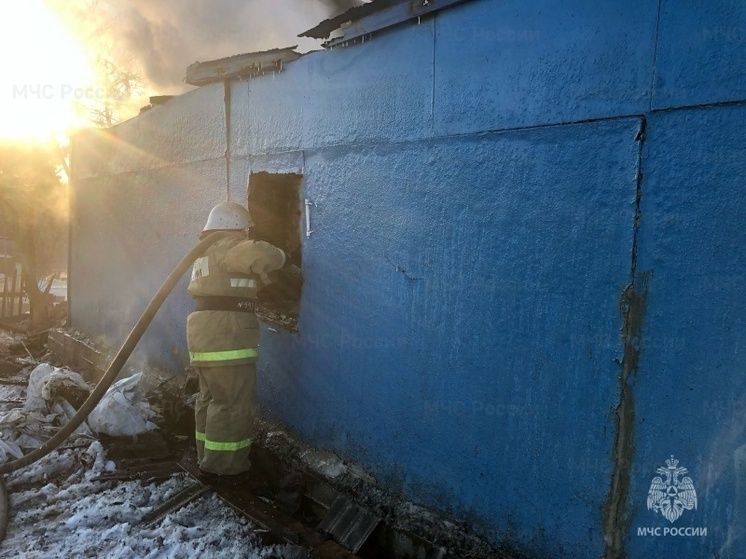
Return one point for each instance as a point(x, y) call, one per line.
point(691, 385)
point(466, 318)
point(486, 185)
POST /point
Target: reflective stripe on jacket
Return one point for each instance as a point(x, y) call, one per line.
point(232, 267)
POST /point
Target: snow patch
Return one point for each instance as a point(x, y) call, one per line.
point(324, 462)
point(100, 520)
point(43, 382)
point(58, 509)
point(123, 411)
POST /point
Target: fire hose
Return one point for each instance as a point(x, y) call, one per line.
point(108, 378)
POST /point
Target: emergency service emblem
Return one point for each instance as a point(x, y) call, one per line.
point(674, 494)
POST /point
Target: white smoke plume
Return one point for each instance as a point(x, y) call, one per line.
point(160, 38)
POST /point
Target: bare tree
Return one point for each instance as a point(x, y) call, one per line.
point(118, 88)
point(33, 203)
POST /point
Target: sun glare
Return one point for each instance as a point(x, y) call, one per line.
point(45, 73)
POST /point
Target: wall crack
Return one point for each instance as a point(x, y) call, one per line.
point(632, 308)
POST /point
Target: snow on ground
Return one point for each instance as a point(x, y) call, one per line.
point(59, 510)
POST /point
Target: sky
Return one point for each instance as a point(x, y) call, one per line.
point(44, 72)
point(51, 50)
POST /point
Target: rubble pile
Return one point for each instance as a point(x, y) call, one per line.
point(63, 506)
point(45, 409)
point(124, 410)
point(8, 342)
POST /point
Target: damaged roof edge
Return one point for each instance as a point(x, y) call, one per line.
point(375, 16)
point(326, 27)
point(357, 22)
point(240, 66)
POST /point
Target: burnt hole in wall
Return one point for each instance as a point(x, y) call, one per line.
point(275, 207)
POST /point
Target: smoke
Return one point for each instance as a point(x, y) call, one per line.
point(160, 38)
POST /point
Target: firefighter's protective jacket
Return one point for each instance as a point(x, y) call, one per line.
point(232, 267)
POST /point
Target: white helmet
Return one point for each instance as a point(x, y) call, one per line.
point(228, 216)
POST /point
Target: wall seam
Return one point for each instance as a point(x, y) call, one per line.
point(700, 106)
point(432, 92)
point(72, 215)
point(654, 68)
point(632, 306)
point(248, 133)
point(219, 159)
point(493, 131)
point(480, 133)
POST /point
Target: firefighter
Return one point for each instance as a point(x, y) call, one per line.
point(222, 336)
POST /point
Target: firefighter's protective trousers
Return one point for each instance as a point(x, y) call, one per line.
point(223, 348)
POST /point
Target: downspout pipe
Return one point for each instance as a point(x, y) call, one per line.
point(111, 373)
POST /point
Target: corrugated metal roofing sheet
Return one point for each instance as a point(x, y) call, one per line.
point(356, 22)
point(326, 27)
point(349, 524)
point(375, 16)
point(240, 66)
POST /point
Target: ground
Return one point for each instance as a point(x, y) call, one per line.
point(60, 509)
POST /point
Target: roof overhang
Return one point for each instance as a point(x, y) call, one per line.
point(240, 66)
point(375, 16)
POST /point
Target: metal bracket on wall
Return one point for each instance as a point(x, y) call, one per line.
point(308, 204)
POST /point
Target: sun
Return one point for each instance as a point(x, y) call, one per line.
point(44, 74)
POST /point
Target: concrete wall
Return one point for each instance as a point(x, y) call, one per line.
point(525, 286)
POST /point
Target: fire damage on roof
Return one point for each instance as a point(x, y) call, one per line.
point(355, 23)
point(240, 66)
point(375, 16)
